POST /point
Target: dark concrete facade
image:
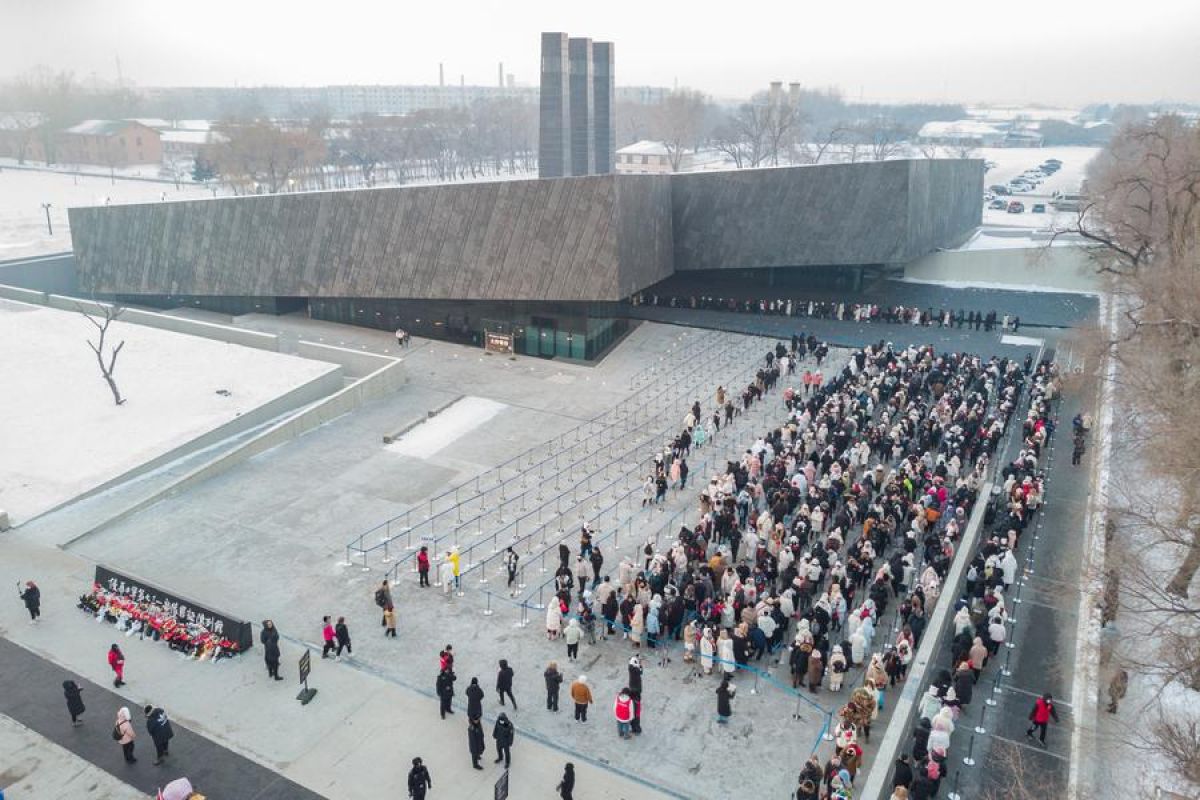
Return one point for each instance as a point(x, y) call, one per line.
point(554, 120)
point(570, 239)
point(576, 126)
point(604, 102)
point(582, 108)
point(596, 238)
point(829, 215)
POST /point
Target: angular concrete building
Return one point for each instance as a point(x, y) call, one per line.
point(550, 260)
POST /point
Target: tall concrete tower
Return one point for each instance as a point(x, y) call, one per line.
point(604, 100)
point(583, 110)
point(554, 124)
point(576, 127)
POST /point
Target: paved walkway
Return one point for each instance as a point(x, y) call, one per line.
point(1043, 658)
point(842, 333)
point(35, 700)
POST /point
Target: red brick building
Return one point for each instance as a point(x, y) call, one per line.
point(109, 143)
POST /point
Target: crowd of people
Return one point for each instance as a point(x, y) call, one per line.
point(979, 628)
point(838, 310)
point(851, 506)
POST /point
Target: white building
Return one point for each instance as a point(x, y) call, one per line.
point(648, 157)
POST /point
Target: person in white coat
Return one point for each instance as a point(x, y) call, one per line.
point(706, 651)
point(725, 653)
point(553, 619)
point(1008, 567)
point(446, 576)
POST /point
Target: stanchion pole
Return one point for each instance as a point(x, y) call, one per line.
point(954, 795)
point(969, 761)
point(487, 612)
point(982, 713)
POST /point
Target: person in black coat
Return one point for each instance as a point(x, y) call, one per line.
point(159, 728)
point(474, 699)
point(920, 747)
point(964, 686)
point(725, 694)
point(418, 780)
point(32, 597)
point(902, 774)
point(502, 732)
point(475, 741)
point(554, 680)
point(635, 692)
point(445, 691)
point(566, 786)
point(504, 678)
point(270, 642)
point(74, 696)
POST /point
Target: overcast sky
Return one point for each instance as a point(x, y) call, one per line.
point(1068, 52)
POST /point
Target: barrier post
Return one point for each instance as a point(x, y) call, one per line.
point(969, 761)
point(487, 612)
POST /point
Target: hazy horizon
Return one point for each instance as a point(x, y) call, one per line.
point(933, 51)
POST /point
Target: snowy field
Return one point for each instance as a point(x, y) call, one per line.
point(1012, 161)
point(23, 220)
point(459, 419)
point(63, 435)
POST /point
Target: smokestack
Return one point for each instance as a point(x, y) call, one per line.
point(500, 76)
point(776, 94)
point(462, 81)
point(441, 74)
point(511, 80)
point(794, 93)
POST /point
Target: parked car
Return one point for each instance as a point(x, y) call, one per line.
point(1038, 208)
point(999, 189)
point(1016, 207)
point(1053, 161)
point(998, 205)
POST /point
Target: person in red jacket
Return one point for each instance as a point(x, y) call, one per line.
point(623, 710)
point(423, 566)
point(116, 660)
point(1039, 717)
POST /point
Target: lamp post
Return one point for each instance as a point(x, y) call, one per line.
point(49, 227)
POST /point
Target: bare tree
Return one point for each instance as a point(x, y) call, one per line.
point(812, 152)
point(680, 120)
point(106, 354)
point(745, 135)
point(928, 148)
point(964, 149)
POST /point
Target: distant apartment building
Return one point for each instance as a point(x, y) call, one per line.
point(109, 143)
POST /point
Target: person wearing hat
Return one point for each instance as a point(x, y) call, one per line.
point(419, 780)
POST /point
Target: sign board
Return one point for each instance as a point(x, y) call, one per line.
point(181, 608)
point(498, 342)
point(502, 787)
point(306, 694)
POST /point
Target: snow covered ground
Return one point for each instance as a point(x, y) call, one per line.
point(23, 220)
point(1012, 161)
point(62, 434)
point(459, 419)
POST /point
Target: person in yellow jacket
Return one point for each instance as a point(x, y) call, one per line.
point(454, 559)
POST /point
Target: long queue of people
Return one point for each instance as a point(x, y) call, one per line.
point(774, 558)
point(979, 625)
point(839, 310)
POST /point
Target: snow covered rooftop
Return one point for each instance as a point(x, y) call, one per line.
point(102, 127)
point(961, 127)
point(645, 147)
